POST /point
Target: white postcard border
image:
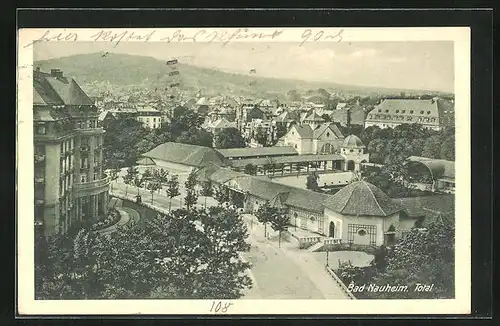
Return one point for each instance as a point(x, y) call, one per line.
point(27, 305)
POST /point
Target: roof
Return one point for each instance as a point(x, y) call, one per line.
point(51, 90)
point(222, 123)
point(438, 168)
point(186, 154)
point(427, 206)
point(286, 159)
point(314, 117)
point(145, 161)
point(258, 151)
point(305, 131)
point(353, 141)
point(408, 110)
point(362, 198)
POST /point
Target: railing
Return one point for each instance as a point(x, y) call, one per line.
point(332, 241)
point(92, 184)
point(310, 239)
point(340, 283)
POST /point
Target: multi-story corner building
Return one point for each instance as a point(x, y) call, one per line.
point(69, 181)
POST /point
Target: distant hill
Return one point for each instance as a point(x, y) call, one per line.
point(131, 70)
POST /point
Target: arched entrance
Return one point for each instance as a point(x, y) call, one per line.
point(331, 231)
point(350, 165)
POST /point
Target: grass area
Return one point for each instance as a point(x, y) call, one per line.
point(145, 213)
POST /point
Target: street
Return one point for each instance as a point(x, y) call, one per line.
point(277, 273)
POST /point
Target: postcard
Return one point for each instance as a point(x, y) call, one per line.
point(243, 171)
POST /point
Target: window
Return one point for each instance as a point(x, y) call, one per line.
point(428, 112)
point(295, 145)
point(403, 111)
point(386, 111)
point(361, 232)
point(411, 112)
point(379, 110)
point(328, 134)
point(409, 118)
point(95, 176)
point(397, 111)
point(83, 178)
point(421, 112)
point(40, 129)
point(351, 150)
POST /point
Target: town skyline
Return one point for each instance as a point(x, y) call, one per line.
point(400, 65)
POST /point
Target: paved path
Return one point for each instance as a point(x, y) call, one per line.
point(286, 272)
point(278, 273)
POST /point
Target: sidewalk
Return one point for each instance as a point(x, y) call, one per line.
point(314, 270)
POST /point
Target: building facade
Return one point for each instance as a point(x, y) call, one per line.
point(390, 113)
point(69, 181)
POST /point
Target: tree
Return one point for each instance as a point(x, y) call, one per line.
point(172, 189)
point(326, 117)
point(113, 175)
point(279, 221)
point(207, 190)
point(229, 138)
point(222, 194)
point(312, 182)
point(250, 169)
point(191, 196)
point(262, 137)
point(152, 187)
point(198, 137)
point(185, 255)
point(141, 179)
point(160, 176)
point(130, 177)
point(426, 257)
point(265, 214)
point(432, 147)
point(448, 149)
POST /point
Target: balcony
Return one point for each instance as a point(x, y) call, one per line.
point(39, 179)
point(91, 188)
point(39, 158)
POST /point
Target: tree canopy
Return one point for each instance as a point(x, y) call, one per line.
point(229, 138)
point(192, 255)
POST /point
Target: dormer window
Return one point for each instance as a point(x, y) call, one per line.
point(403, 111)
point(428, 112)
point(327, 134)
point(421, 112)
point(397, 111)
point(411, 112)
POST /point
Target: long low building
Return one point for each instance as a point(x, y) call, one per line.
point(359, 213)
point(257, 152)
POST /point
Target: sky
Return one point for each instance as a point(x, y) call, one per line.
point(408, 65)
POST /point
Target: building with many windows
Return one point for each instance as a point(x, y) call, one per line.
point(390, 113)
point(69, 181)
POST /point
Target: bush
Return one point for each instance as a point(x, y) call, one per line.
point(111, 219)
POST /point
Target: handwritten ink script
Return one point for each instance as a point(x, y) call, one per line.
point(203, 35)
point(308, 35)
point(220, 307)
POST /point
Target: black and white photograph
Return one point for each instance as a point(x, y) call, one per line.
point(243, 168)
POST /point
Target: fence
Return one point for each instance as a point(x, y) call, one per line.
point(340, 283)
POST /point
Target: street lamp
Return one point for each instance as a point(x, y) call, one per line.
point(327, 254)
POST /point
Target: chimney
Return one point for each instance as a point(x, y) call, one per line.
point(56, 73)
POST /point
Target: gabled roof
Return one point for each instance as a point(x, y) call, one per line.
point(314, 117)
point(362, 199)
point(222, 123)
point(51, 90)
point(187, 154)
